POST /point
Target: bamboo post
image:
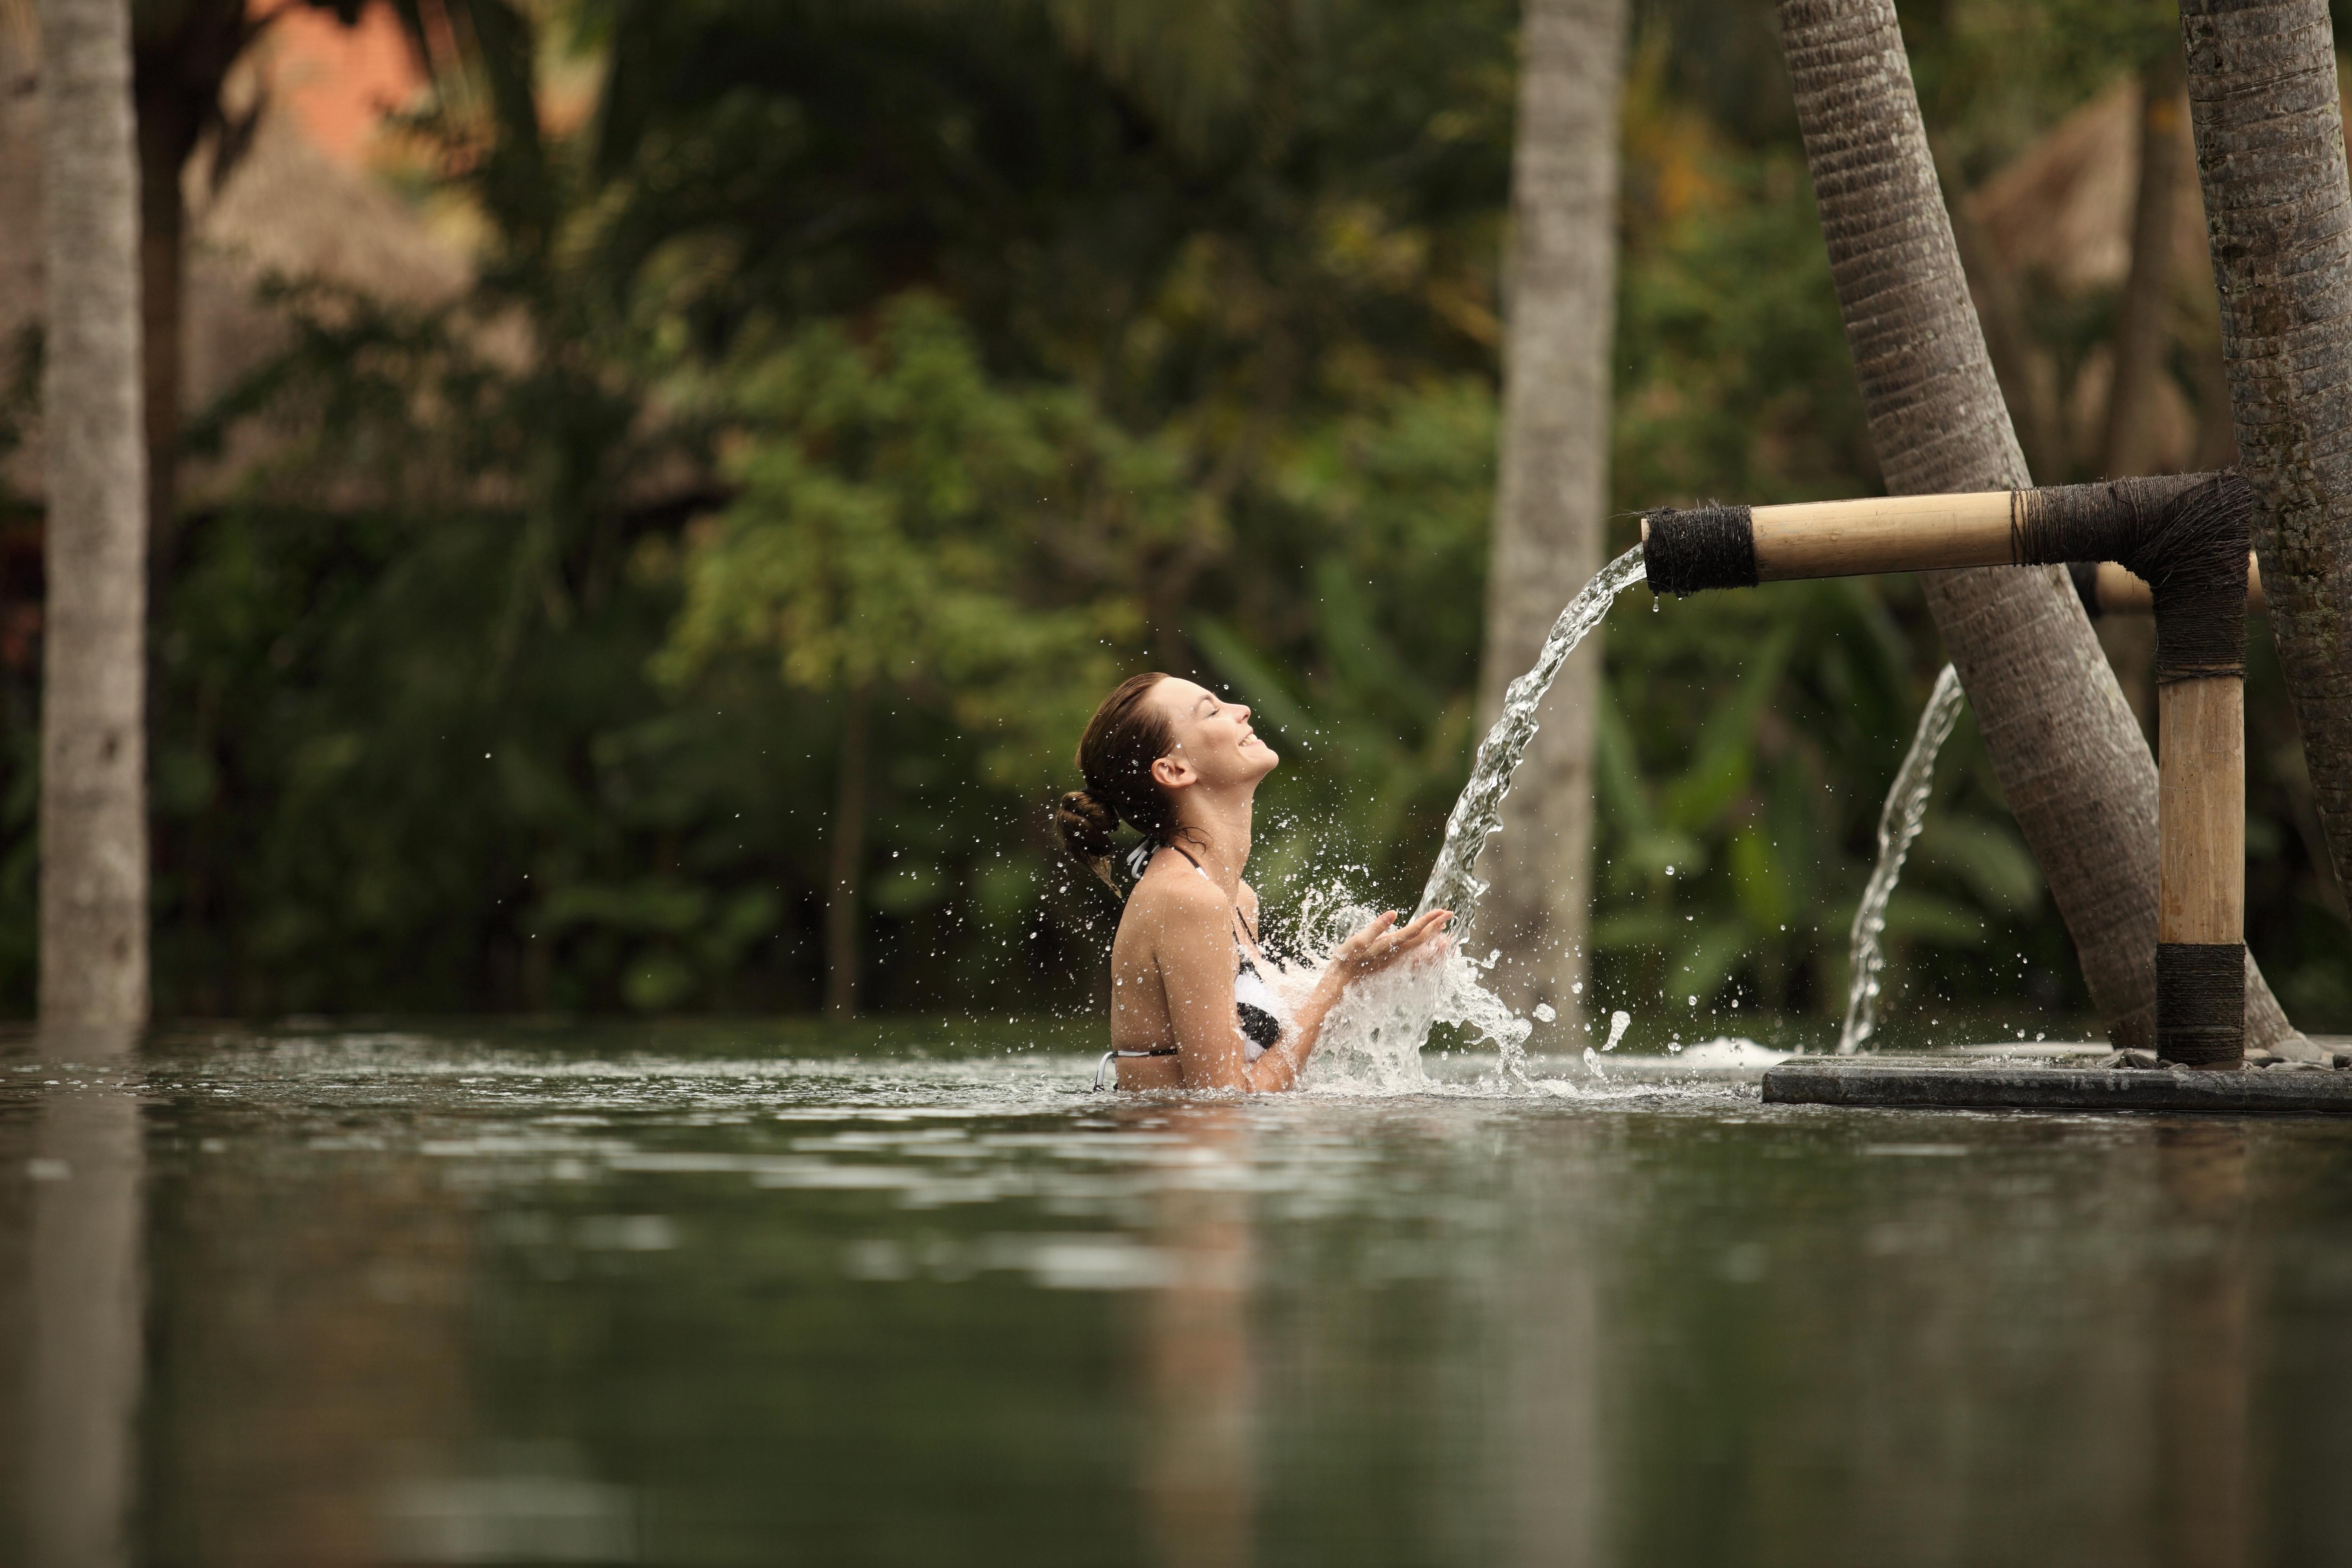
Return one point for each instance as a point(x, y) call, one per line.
point(2184, 537)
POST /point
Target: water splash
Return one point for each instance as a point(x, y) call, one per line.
point(1372, 1039)
point(1899, 825)
point(1452, 883)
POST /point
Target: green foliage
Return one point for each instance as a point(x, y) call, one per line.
point(902, 522)
point(952, 358)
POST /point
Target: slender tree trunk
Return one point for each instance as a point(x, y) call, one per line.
point(2278, 212)
point(181, 57)
point(2032, 401)
point(165, 145)
point(848, 857)
point(1550, 503)
point(2070, 758)
point(94, 742)
point(2142, 330)
point(2142, 334)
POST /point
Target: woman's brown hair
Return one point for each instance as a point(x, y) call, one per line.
point(1124, 738)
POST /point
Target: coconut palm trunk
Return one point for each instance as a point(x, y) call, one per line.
point(2070, 758)
point(2143, 335)
point(93, 750)
point(1550, 501)
point(2270, 157)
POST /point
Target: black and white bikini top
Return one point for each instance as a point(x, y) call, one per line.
point(1257, 1010)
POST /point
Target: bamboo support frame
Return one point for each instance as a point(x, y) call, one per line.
point(2170, 528)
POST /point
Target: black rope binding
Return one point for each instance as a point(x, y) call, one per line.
point(2200, 1003)
point(2183, 534)
point(1701, 547)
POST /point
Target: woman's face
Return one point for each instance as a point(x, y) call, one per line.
point(1214, 742)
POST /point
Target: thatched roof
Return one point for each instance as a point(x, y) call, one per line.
point(283, 209)
point(2059, 218)
point(2064, 207)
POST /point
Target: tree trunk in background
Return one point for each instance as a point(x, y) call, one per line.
point(2142, 330)
point(2270, 158)
point(2071, 760)
point(848, 859)
point(163, 229)
point(2032, 401)
point(1551, 497)
point(94, 742)
point(181, 56)
point(2140, 345)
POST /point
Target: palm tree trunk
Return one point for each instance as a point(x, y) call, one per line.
point(93, 745)
point(2024, 383)
point(162, 252)
point(1552, 500)
point(2142, 335)
point(2070, 758)
point(2141, 331)
point(848, 859)
point(2270, 157)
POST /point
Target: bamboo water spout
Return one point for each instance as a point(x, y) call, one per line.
point(2186, 536)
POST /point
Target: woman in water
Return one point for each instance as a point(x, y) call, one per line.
point(1189, 1008)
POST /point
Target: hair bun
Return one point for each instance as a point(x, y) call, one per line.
point(1084, 825)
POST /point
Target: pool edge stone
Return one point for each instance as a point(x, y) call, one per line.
point(1925, 1084)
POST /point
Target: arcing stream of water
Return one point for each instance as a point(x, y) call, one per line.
point(1374, 1037)
point(1453, 884)
point(1899, 825)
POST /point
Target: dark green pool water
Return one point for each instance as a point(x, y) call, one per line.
point(905, 1296)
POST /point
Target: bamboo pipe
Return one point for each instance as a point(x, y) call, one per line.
point(2111, 588)
point(2184, 534)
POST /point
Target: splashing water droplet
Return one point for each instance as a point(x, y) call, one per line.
point(1618, 1024)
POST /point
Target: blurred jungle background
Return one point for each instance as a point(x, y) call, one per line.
point(635, 466)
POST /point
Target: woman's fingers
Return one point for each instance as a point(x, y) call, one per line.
point(1382, 940)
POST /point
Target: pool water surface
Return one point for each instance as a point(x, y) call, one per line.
point(910, 1295)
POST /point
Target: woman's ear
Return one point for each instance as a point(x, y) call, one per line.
point(1171, 772)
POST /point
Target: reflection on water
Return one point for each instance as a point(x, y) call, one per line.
point(1200, 1494)
point(411, 1299)
point(83, 1386)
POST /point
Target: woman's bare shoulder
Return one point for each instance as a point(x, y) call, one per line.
point(1175, 894)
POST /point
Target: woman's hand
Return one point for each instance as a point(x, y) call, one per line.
point(1384, 942)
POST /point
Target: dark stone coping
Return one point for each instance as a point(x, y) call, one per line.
point(2007, 1086)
